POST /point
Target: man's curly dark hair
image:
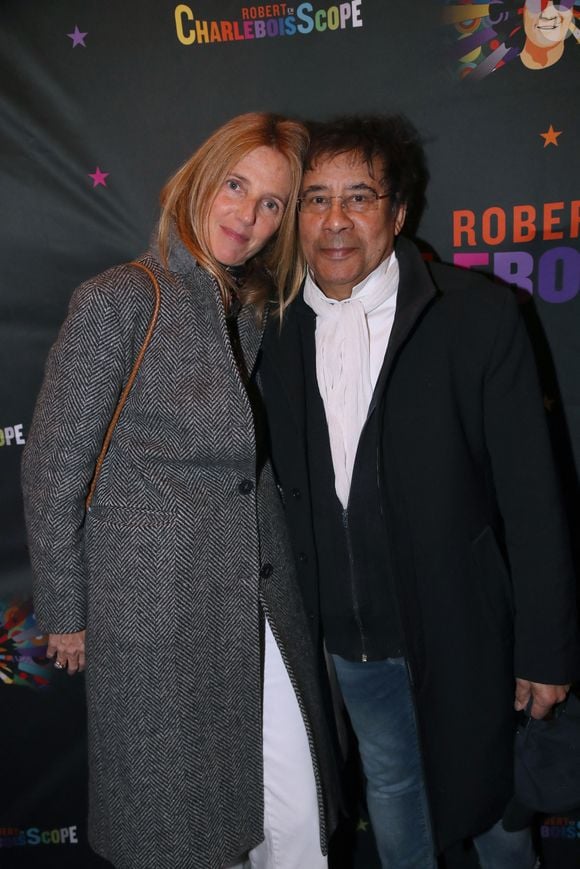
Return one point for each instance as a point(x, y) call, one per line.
point(393, 139)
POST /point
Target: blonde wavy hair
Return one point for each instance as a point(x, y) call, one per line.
point(188, 196)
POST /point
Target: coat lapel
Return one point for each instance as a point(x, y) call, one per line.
point(317, 424)
point(415, 293)
point(283, 369)
point(250, 331)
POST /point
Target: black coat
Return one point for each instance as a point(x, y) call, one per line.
point(476, 535)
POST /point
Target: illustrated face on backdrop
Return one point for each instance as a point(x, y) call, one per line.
point(546, 24)
point(249, 206)
point(342, 247)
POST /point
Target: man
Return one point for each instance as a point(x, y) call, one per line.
point(408, 437)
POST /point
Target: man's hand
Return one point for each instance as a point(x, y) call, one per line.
point(545, 696)
point(69, 650)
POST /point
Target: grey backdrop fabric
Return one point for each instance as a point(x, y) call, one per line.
point(129, 99)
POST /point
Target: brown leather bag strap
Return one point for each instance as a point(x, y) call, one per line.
point(128, 385)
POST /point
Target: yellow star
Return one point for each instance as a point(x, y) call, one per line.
point(551, 136)
point(362, 826)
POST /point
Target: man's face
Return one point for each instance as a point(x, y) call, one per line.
point(343, 247)
point(546, 24)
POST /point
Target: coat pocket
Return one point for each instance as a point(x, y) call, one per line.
point(494, 583)
point(131, 555)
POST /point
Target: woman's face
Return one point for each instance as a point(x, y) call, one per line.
point(546, 24)
point(249, 206)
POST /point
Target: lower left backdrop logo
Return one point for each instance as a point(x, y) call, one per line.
point(22, 650)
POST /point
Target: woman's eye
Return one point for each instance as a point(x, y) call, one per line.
point(231, 184)
point(271, 205)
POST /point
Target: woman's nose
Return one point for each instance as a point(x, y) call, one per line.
point(247, 211)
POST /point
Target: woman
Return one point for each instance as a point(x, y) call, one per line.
point(180, 570)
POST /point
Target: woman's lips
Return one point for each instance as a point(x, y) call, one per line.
point(235, 236)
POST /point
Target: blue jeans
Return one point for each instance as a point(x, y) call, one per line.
point(378, 698)
point(379, 703)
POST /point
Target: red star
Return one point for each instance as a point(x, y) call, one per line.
point(551, 136)
point(99, 177)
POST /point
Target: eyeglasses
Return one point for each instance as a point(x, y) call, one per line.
point(359, 202)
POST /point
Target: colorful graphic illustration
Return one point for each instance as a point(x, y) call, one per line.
point(491, 35)
point(22, 650)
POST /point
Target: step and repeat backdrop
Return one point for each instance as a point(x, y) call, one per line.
point(101, 101)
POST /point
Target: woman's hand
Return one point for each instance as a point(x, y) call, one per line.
point(69, 650)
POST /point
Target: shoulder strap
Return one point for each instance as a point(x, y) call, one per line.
point(128, 385)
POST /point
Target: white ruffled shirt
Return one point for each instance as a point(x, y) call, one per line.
point(351, 341)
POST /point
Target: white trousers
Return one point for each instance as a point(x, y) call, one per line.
point(291, 824)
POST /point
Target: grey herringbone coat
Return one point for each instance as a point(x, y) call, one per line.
point(166, 571)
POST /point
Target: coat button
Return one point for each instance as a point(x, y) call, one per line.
point(266, 570)
point(296, 493)
point(302, 558)
point(245, 487)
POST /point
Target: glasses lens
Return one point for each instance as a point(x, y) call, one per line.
point(314, 202)
point(360, 201)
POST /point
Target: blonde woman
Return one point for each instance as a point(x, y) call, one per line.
point(207, 745)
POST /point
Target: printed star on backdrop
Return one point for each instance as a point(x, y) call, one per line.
point(77, 37)
point(99, 177)
point(551, 136)
point(549, 403)
point(362, 825)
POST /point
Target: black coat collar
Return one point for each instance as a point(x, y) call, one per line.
point(416, 291)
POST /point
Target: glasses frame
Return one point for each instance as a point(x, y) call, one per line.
point(343, 199)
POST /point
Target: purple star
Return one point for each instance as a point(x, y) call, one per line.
point(77, 37)
point(99, 177)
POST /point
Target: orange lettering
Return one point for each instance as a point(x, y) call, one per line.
point(574, 218)
point(524, 219)
point(550, 220)
point(463, 224)
point(486, 227)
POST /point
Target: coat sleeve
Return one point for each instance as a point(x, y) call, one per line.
point(528, 493)
point(83, 378)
